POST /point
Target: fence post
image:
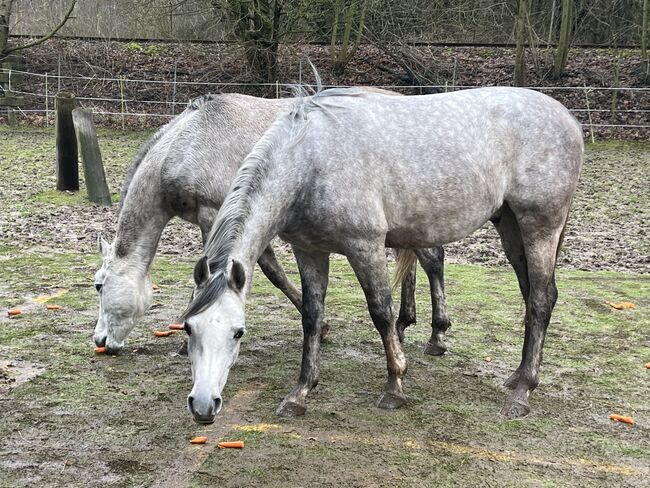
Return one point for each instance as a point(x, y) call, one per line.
point(91, 157)
point(67, 161)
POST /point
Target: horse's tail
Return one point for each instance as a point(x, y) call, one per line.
point(406, 259)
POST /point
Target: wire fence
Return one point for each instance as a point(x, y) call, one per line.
point(604, 111)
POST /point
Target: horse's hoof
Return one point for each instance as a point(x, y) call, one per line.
point(324, 331)
point(435, 348)
point(512, 381)
point(516, 406)
point(401, 328)
point(182, 351)
point(289, 408)
point(391, 401)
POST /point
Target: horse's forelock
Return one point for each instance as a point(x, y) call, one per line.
point(210, 294)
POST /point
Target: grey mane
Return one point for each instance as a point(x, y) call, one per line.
point(289, 128)
point(232, 216)
point(192, 106)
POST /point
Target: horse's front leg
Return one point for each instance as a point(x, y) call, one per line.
point(314, 270)
point(370, 267)
point(433, 262)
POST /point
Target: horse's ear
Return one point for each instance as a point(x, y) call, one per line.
point(237, 277)
point(103, 246)
point(201, 271)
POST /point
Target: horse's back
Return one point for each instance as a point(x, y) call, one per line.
point(191, 161)
point(446, 161)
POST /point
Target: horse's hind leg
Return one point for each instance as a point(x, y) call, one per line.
point(407, 312)
point(432, 260)
point(508, 228)
point(369, 265)
point(541, 245)
point(314, 269)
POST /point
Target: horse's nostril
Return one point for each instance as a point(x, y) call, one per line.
point(98, 287)
point(190, 403)
point(217, 405)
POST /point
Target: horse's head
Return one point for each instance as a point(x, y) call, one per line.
point(215, 323)
point(124, 295)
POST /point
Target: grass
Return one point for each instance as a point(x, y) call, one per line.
point(122, 420)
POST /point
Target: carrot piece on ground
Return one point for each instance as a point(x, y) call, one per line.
point(100, 350)
point(14, 311)
point(176, 326)
point(199, 440)
point(163, 333)
point(622, 418)
point(621, 305)
point(54, 307)
point(647, 365)
point(231, 445)
point(155, 287)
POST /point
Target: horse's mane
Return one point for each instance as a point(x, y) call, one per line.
point(288, 129)
point(229, 225)
point(192, 107)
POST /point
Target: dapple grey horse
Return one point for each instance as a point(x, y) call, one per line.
point(350, 172)
point(185, 171)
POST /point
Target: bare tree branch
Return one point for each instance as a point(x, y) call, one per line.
point(46, 37)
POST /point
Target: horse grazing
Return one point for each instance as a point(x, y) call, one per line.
point(350, 172)
point(185, 171)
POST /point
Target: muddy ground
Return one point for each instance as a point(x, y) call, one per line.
point(72, 418)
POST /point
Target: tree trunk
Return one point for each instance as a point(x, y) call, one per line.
point(520, 38)
point(562, 51)
point(91, 157)
point(5, 17)
point(67, 162)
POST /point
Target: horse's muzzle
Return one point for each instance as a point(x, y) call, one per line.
point(204, 412)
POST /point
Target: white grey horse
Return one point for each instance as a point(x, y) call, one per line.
point(350, 172)
point(185, 171)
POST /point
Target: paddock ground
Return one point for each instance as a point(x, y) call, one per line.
point(72, 418)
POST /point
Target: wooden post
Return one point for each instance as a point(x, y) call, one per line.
point(67, 161)
point(91, 157)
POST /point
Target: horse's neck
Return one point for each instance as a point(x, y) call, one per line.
point(259, 212)
point(139, 228)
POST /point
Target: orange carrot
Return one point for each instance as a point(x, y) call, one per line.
point(647, 365)
point(14, 311)
point(622, 418)
point(100, 350)
point(176, 326)
point(163, 333)
point(199, 440)
point(231, 445)
point(54, 307)
point(621, 305)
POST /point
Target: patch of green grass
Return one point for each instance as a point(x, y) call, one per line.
point(55, 197)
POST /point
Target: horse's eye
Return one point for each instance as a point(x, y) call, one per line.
point(187, 329)
point(239, 333)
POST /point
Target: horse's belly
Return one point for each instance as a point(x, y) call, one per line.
point(435, 234)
